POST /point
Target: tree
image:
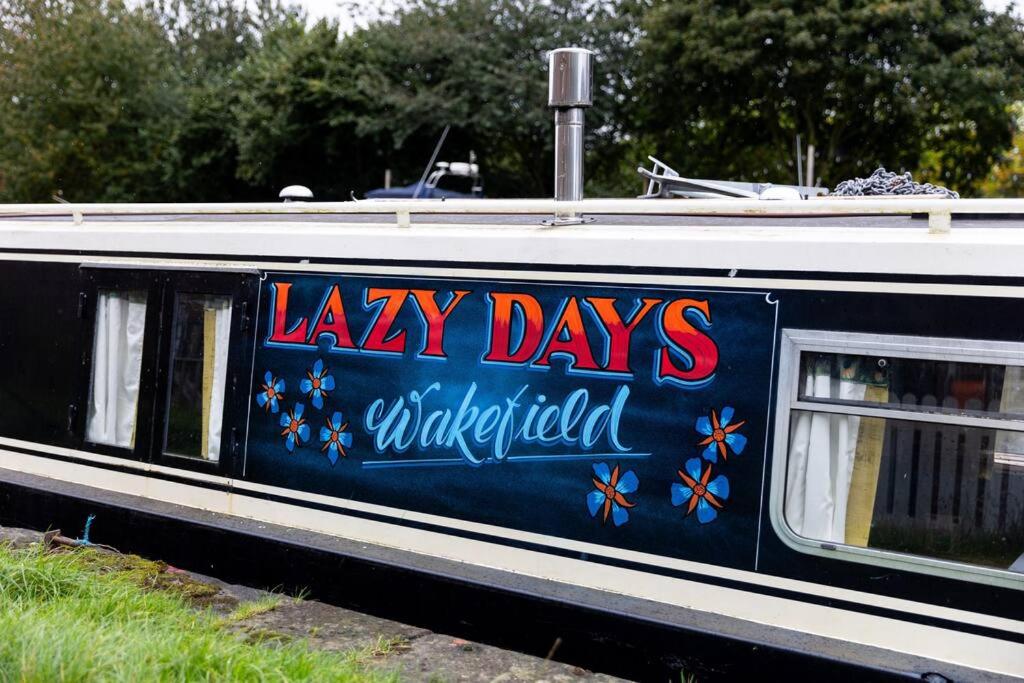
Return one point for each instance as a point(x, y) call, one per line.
point(1006, 178)
point(725, 87)
point(212, 39)
point(380, 97)
point(292, 94)
point(86, 100)
point(480, 66)
point(208, 100)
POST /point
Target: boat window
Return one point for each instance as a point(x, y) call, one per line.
point(120, 325)
point(915, 384)
point(198, 371)
point(905, 457)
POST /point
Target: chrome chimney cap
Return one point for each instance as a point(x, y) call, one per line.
point(570, 77)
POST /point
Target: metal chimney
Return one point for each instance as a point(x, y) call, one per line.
point(570, 82)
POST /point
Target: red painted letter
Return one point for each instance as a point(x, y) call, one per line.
point(376, 338)
point(279, 332)
point(697, 350)
point(433, 344)
point(502, 307)
point(331, 321)
point(619, 332)
point(568, 337)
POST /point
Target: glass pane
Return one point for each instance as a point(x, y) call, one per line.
point(912, 383)
point(199, 349)
point(943, 491)
point(116, 367)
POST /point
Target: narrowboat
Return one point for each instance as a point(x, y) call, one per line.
point(796, 424)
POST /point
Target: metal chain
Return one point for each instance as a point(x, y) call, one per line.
point(883, 182)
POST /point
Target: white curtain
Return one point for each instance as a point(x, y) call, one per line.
point(116, 367)
point(821, 455)
point(222, 332)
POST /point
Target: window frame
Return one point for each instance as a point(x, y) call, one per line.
point(96, 280)
point(162, 286)
point(793, 343)
point(219, 283)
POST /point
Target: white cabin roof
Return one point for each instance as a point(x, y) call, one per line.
point(913, 236)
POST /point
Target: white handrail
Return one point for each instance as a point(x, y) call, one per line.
point(681, 207)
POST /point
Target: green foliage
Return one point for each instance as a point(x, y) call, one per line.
point(86, 100)
point(333, 114)
point(869, 83)
point(211, 38)
point(288, 92)
point(103, 101)
point(480, 66)
point(66, 620)
point(1006, 178)
point(248, 610)
point(215, 100)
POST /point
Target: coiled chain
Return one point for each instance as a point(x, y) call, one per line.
point(883, 182)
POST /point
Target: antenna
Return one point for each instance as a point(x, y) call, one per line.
point(430, 164)
point(799, 162)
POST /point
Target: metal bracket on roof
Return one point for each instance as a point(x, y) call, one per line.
point(665, 182)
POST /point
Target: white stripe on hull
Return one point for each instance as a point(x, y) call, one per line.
point(942, 645)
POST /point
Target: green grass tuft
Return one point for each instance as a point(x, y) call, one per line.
point(74, 617)
point(386, 646)
point(247, 610)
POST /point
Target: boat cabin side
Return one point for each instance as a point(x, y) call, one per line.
point(864, 435)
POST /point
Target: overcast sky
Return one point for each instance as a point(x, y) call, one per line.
point(337, 9)
point(341, 9)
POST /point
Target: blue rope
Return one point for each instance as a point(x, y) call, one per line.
point(84, 540)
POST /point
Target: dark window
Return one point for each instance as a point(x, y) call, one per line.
point(198, 370)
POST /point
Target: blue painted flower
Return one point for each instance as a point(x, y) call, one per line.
point(272, 392)
point(316, 384)
point(295, 428)
point(720, 435)
point(706, 496)
point(610, 493)
point(335, 437)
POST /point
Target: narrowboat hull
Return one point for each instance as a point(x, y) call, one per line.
point(604, 418)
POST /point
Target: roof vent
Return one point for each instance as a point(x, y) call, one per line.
point(296, 193)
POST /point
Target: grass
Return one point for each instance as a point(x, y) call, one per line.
point(146, 574)
point(247, 610)
point(387, 646)
point(88, 616)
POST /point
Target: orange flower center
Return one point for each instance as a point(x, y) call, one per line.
point(316, 383)
point(294, 426)
point(270, 392)
point(699, 489)
point(718, 435)
point(609, 491)
point(334, 436)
